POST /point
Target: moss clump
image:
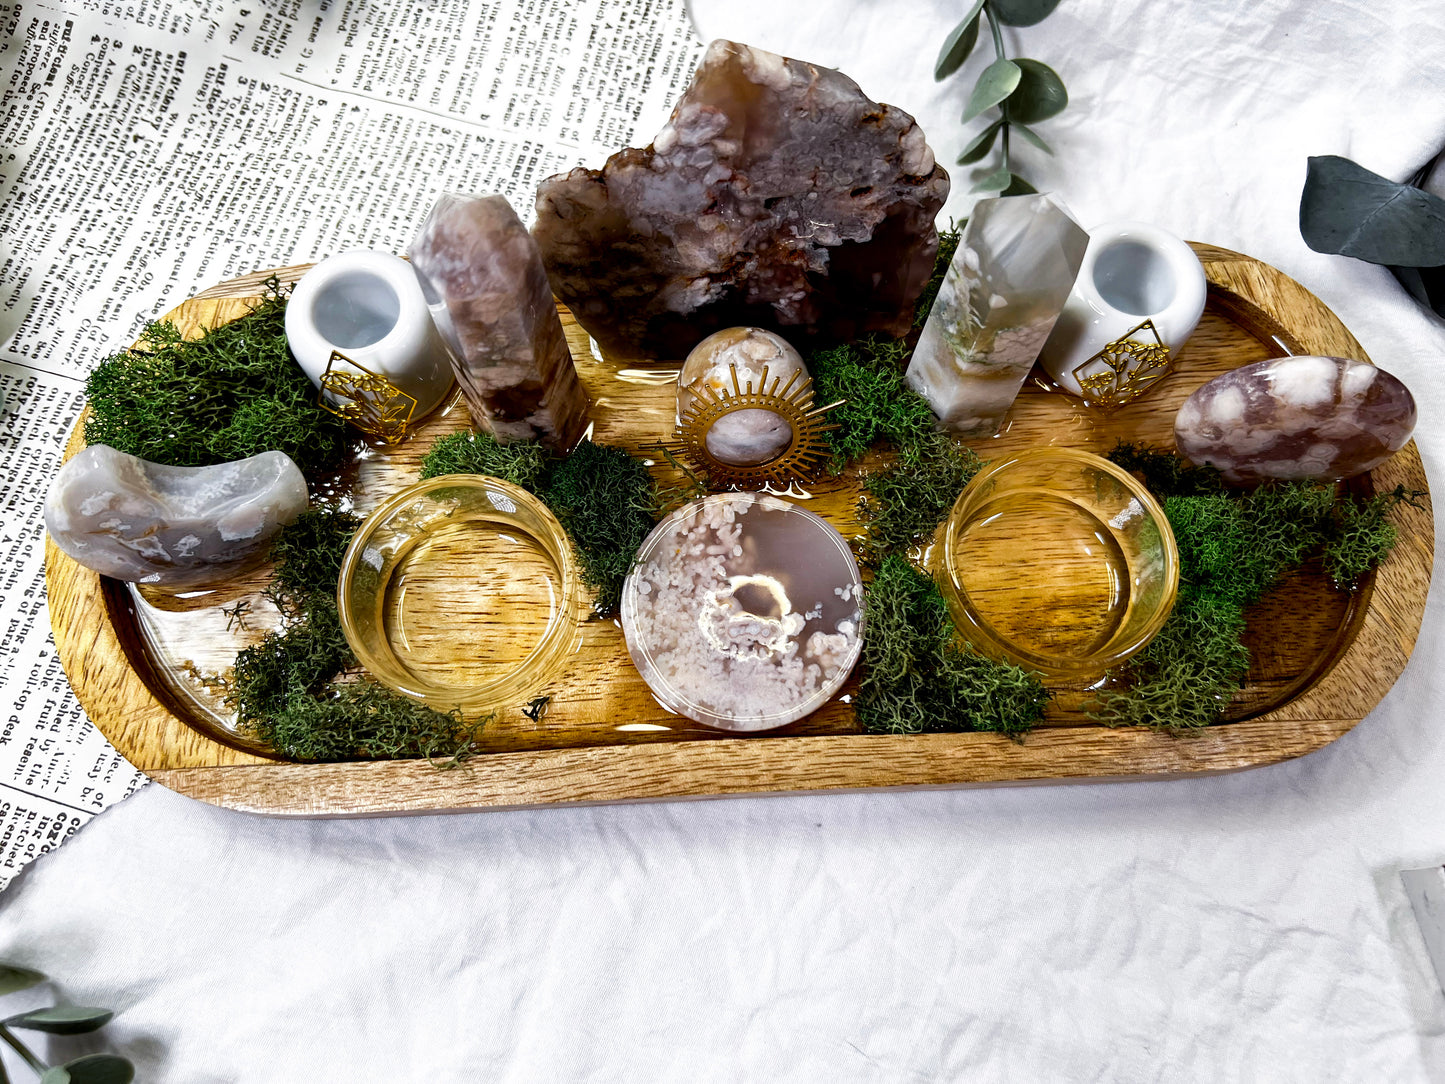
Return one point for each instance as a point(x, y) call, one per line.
point(603, 497)
point(286, 690)
point(232, 393)
point(917, 677)
point(1233, 548)
point(947, 246)
point(363, 720)
point(1164, 473)
point(606, 500)
point(905, 502)
point(1184, 677)
point(308, 556)
point(1362, 536)
point(523, 463)
point(880, 406)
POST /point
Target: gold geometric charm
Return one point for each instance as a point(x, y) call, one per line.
point(366, 400)
point(794, 402)
point(1124, 370)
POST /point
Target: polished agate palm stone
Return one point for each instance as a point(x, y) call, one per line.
point(484, 282)
point(778, 194)
point(1296, 418)
point(179, 526)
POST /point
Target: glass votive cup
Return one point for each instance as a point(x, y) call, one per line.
point(1059, 561)
point(743, 612)
point(462, 591)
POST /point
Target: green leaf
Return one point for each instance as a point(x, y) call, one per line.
point(1031, 136)
point(1348, 210)
point(958, 44)
point(18, 978)
point(62, 1020)
point(996, 181)
point(1022, 12)
point(100, 1069)
point(995, 84)
point(1039, 95)
point(1017, 186)
point(55, 1075)
point(980, 145)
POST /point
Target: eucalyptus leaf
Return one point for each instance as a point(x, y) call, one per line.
point(18, 978)
point(1022, 12)
point(62, 1020)
point(1039, 95)
point(1425, 284)
point(1031, 136)
point(55, 1075)
point(980, 145)
point(996, 181)
point(1348, 210)
point(958, 44)
point(100, 1069)
point(995, 84)
point(1017, 186)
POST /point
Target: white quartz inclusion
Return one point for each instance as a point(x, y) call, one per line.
point(744, 437)
point(1015, 265)
point(743, 612)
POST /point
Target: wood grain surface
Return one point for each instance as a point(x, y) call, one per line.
point(148, 667)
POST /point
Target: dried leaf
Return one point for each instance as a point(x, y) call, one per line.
point(1039, 95)
point(1031, 136)
point(958, 44)
point(1348, 210)
point(1022, 12)
point(1017, 186)
point(18, 978)
point(995, 84)
point(996, 181)
point(980, 145)
point(62, 1020)
point(100, 1069)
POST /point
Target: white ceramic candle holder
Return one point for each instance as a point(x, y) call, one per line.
point(369, 307)
point(1132, 272)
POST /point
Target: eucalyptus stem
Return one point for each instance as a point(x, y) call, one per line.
point(21, 1049)
point(997, 33)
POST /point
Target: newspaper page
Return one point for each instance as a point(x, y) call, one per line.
point(151, 148)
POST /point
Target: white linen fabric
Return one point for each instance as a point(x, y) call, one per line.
point(1241, 927)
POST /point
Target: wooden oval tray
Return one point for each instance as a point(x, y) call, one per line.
point(1322, 658)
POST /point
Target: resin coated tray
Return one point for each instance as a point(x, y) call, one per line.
point(145, 666)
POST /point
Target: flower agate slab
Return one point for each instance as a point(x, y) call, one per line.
point(745, 437)
point(1015, 265)
point(483, 279)
point(743, 612)
point(1296, 418)
point(178, 526)
point(778, 194)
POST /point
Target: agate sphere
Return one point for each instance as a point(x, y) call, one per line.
point(752, 436)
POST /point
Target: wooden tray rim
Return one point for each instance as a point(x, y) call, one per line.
point(122, 706)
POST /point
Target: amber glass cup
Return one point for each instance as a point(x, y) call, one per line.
point(1059, 561)
point(462, 592)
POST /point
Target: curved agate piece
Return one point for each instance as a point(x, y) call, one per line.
point(744, 437)
point(1296, 418)
point(180, 526)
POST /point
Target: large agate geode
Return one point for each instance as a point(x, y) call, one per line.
point(777, 195)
